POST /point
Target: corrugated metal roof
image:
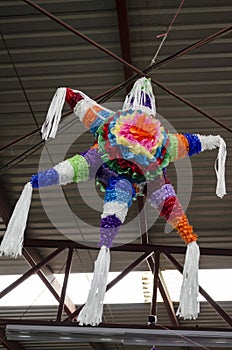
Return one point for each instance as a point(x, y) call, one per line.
point(48, 56)
point(135, 314)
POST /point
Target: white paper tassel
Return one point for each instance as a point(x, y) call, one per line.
point(189, 306)
point(91, 314)
point(220, 169)
point(208, 143)
point(136, 99)
point(13, 239)
point(50, 126)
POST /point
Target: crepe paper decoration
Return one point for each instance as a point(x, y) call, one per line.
point(131, 148)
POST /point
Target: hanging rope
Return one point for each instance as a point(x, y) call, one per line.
point(165, 35)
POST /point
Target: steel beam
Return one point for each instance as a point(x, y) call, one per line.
point(155, 264)
point(65, 283)
point(124, 34)
point(97, 346)
point(126, 335)
point(165, 296)
point(30, 272)
point(153, 309)
point(17, 321)
point(142, 221)
point(33, 257)
point(128, 269)
point(53, 288)
point(130, 247)
point(167, 300)
point(9, 344)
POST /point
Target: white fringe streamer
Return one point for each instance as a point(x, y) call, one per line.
point(208, 143)
point(13, 239)
point(50, 126)
point(91, 314)
point(189, 306)
point(220, 169)
point(136, 100)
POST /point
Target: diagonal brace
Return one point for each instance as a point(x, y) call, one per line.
point(212, 302)
point(30, 272)
point(115, 280)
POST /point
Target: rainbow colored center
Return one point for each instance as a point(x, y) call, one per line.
point(140, 132)
point(134, 141)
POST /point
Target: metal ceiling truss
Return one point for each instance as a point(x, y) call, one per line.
point(150, 253)
point(147, 249)
point(124, 335)
point(153, 263)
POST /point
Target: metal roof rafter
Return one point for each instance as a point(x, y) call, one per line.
point(124, 34)
point(127, 64)
point(116, 88)
point(128, 247)
point(154, 266)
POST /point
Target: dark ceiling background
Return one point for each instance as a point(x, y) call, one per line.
point(37, 56)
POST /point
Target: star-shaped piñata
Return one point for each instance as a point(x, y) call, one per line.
point(131, 148)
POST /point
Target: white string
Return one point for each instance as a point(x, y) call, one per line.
point(158, 50)
point(165, 35)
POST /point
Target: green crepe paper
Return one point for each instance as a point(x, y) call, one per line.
point(80, 168)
